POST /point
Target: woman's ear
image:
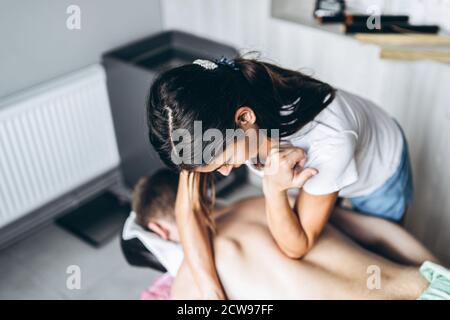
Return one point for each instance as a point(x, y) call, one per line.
point(159, 230)
point(245, 117)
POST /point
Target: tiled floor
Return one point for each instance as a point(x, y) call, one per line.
point(35, 268)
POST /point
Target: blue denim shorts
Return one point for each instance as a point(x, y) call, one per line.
point(391, 200)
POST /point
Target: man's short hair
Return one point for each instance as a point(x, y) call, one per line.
point(154, 197)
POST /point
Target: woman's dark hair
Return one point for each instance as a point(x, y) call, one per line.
point(281, 99)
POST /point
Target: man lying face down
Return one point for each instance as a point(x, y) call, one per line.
point(251, 266)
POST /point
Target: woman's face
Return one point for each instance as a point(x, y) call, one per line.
point(247, 147)
point(234, 156)
point(238, 153)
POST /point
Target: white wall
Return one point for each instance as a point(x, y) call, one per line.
point(35, 44)
point(416, 93)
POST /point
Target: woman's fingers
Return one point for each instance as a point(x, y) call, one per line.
point(293, 157)
point(193, 184)
point(284, 157)
point(284, 168)
point(300, 177)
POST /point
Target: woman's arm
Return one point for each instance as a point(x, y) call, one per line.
point(195, 239)
point(295, 229)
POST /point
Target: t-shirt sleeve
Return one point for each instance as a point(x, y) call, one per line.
point(334, 158)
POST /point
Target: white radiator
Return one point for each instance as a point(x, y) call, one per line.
point(54, 138)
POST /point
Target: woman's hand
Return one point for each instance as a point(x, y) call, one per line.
point(183, 203)
point(192, 182)
point(195, 238)
point(295, 229)
point(284, 169)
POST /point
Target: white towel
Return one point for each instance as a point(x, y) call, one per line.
point(169, 253)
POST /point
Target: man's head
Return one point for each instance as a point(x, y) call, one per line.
point(154, 202)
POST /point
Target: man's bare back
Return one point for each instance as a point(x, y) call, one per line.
point(251, 266)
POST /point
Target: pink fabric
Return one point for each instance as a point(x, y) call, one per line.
point(160, 289)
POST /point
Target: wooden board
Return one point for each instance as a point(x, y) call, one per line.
point(404, 39)
point(414, 54)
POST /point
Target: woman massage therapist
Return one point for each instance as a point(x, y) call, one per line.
point(331, 143)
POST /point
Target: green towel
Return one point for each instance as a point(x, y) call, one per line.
point(439, 279)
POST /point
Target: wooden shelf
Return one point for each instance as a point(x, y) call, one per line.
point(409, 46)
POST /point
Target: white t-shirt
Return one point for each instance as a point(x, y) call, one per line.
point(354, 144)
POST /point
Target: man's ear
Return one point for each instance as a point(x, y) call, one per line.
point(159, 230)
point(245, 117)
